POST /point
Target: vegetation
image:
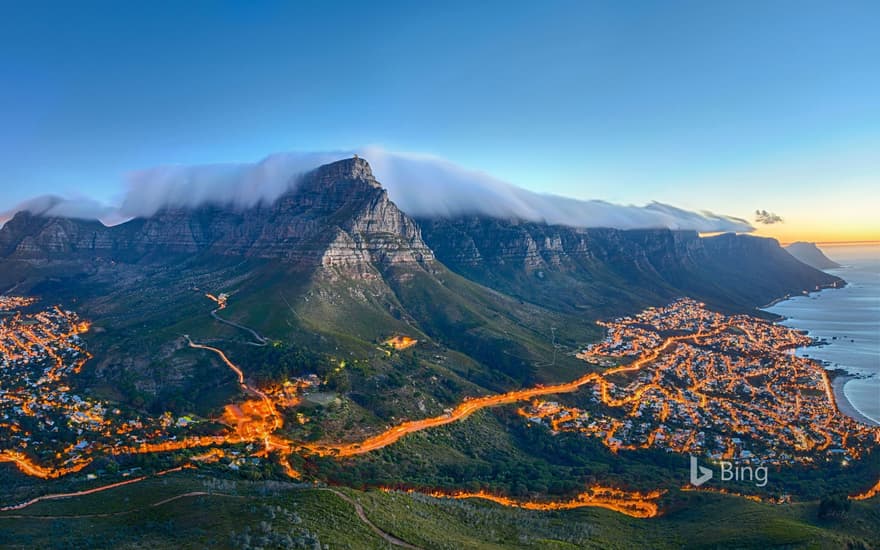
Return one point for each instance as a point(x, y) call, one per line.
point(236, 514)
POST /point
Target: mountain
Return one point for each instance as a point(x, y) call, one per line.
point(333, 268)
point(600, 271)
point(811, 255)
point(338, 215)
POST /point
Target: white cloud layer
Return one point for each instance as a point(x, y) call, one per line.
point(422, 185)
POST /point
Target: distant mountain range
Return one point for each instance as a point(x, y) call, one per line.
point(811, 255)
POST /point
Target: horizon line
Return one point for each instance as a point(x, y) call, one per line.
point(835, 243)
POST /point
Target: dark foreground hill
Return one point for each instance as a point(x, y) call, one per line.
point(236, 514)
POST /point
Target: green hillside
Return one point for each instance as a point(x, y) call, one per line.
point(188, 510)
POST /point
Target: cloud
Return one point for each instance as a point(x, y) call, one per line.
point(421, 185)
point(767, 218)
point(75, 207)
point(427, 186)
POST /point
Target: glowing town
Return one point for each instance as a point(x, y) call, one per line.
point(680, 378)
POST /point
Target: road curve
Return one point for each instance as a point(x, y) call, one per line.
point(471, 405)
point(260, 340)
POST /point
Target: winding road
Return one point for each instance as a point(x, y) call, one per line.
point(471, 405)
point(221, 304)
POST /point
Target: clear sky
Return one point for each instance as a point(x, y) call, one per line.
point(726, 106)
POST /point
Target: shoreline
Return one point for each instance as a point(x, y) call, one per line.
point(844, 405)
point(842, 402)
point(778, 300)
point(829, 286)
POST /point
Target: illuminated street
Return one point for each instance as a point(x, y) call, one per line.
point(680, 378)
point(736, 393)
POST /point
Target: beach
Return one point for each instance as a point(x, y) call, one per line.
point(847, 323)
point(844, 405)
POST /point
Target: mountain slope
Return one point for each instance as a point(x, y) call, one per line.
point(602, 272)
point(333, 268)
point(811, 255)
point(338, 214)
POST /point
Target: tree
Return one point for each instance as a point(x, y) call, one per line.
point(834, 507)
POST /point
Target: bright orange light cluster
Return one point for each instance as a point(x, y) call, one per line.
point(870, 493)
point(733, 375)
point(670, 350)
point(634, 504)
point(29, 467)
point(401, 342)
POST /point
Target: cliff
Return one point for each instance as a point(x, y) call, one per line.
point(338, 215)
point(599, 269)
point(339, 219)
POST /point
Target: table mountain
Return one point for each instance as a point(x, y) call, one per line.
point(333, 265)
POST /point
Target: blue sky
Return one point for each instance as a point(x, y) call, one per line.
point(729, 107)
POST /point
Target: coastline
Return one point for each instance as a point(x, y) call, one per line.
point(843, 283)
point(844, 405)
point(781, 299)
point(829, 320)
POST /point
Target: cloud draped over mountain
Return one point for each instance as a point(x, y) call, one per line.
point(421, 185)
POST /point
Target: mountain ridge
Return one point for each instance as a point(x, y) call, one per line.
point(339, 217)
point(574, 268)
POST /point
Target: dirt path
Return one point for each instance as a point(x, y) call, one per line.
point(123, 512)
point(60, 496)
point(391, 539)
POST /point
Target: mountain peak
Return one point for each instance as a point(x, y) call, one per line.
point(355, 168)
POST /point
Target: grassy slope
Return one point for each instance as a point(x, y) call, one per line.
point(455, 313)
point(278, 509)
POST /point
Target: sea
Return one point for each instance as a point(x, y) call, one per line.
point(848, 319)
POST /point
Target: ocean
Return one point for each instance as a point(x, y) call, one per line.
point(849, 319)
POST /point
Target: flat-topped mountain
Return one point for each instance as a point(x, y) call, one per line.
point(811, 255)
point(337, 214)
point(333, 269)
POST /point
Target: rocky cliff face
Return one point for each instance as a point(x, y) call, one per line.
point(534, 246)
point(338, 215)
point(29, 236)
point(589, 269)
point(339, 218)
